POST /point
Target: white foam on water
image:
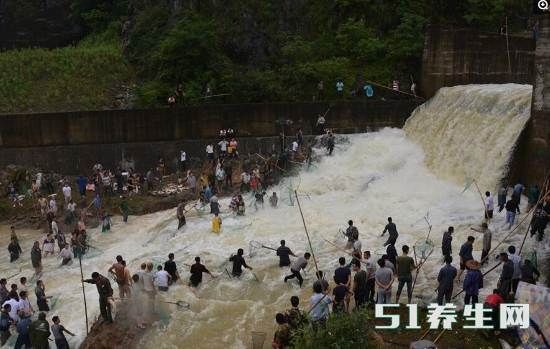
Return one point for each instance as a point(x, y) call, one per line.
point(369, 178)
point(471, 130)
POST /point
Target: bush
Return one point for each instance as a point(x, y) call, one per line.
point(342, 331)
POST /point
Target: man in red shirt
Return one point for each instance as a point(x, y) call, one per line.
point(493, 302)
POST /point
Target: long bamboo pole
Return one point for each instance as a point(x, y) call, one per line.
point(83, 292)
point(307, 234)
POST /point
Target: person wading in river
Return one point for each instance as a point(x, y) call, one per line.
point(181, 215)
point(297, 266)
point(284, 252)
point(238, 263)
point(105, 294)
point(392, 229)
point(196, 271)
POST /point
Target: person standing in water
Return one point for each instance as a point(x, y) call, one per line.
point(196, 271)
point(57, 331)
point(14, 249)
point(124, 210)
point(465, 254)
point(105, 294)
point(273, 200)
point(446, 242)
point(66, 255)
point(392, 229)
point(39, 331)
point(330, 142)
point(41, 298)
point(172, 269)
point(216, 224)
point(405, 265)
point(284, 252)
point(445, 278)
point(352, 234)
point(238, 263)
point(36, 259)
point(489, 205)
point(297, 266)
point(181, 215)
point(501, 198)
point(487, 235)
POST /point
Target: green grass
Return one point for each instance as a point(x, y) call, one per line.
point(83, 77)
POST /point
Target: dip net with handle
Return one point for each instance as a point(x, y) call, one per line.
point(423, 248)
point(254, 248)
point(258, 339)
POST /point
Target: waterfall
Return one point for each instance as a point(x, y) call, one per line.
point(471, 131)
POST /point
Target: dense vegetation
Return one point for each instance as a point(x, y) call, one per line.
point(274, 50)
point(86, 77)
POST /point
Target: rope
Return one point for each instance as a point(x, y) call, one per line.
point(391, 89)
point(508, 47)
point(307, 234)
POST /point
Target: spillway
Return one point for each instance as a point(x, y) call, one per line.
point(464, 131)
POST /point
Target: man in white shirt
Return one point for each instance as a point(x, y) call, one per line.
point(223, 147)
point(370, 268)
point(294, 146)
point(66, 255)
point(517, 267)
point(191, 181)
point(489, 205)
point(55, 227)
point(183, 161)
point(210, 152)
point(14, 305)
point(53, 205)
point(67, 193)
point(357, 247)
point(25, 306)
point(245, 182)
point(162, 279)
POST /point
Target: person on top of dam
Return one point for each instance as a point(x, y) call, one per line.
point(392, 229)
point(238, 263)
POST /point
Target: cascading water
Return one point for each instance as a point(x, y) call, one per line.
point(470, 131)
point(464, 131)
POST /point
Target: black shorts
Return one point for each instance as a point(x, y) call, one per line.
point(489, 214)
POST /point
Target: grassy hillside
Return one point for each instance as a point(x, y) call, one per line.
point(88, 76)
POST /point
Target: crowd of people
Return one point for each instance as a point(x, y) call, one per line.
point(364, 278)
point(369, 281)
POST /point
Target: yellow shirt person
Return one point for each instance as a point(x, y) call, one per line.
point(216, 224)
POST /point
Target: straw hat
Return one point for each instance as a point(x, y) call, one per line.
point(473, 264)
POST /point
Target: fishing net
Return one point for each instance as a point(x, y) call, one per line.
point(532, 256)
point(180, 304)
point(423, 248)
point(339, 235)
point(380, 252)
point(254, 247)
point(258, 339)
